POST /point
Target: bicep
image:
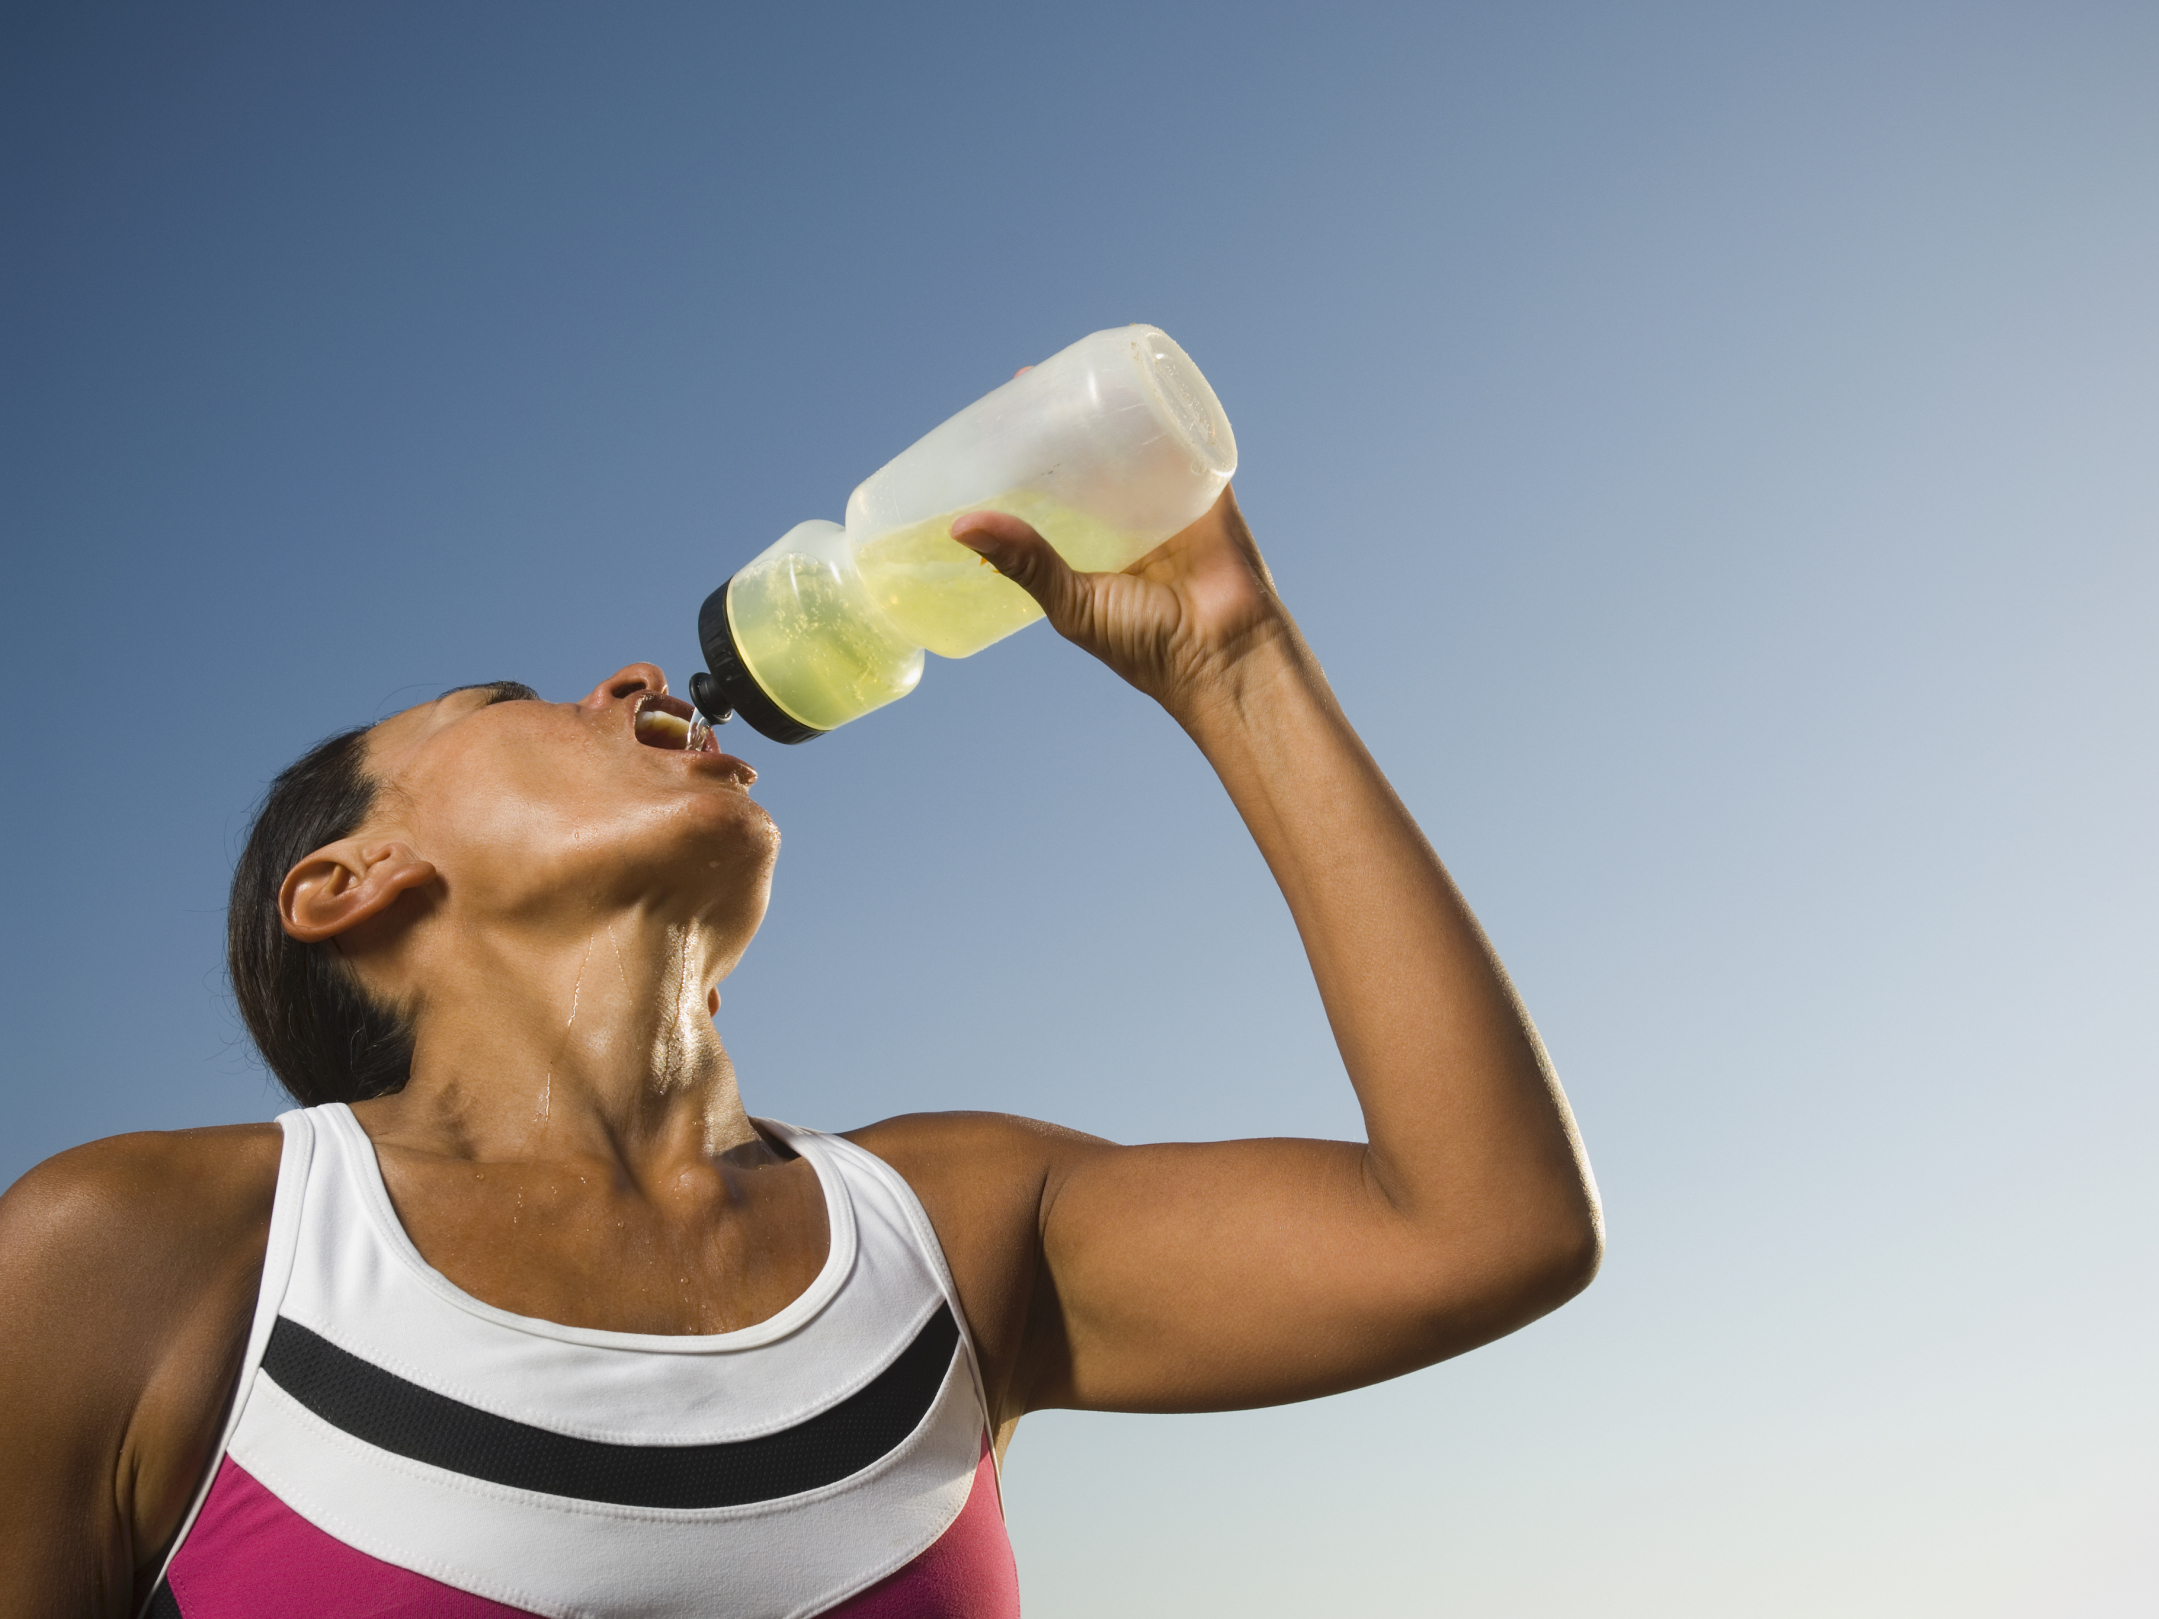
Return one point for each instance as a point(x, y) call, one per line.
point(1224, 1275)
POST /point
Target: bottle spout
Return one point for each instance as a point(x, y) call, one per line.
point(705, 693)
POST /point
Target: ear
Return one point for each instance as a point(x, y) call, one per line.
point(343, 884)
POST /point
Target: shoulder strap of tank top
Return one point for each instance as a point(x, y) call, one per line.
point(292, 1166)
point(850, 1162)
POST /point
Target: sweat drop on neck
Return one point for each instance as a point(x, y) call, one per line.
point(1108, 448)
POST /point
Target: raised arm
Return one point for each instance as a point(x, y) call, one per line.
point(1194, 1277)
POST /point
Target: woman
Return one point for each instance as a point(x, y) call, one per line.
point(544, 1322)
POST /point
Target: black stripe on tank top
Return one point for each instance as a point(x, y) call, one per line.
point(386, 1411)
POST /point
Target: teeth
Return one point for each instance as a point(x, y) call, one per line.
point(658, 727)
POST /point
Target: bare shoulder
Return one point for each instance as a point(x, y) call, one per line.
point(128, 1273)
point(161, 1198)
point(118, 1248)
point(976, 1155)
point(984, 1180)
point(115, 1252)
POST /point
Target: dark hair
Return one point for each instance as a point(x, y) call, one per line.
point(324, 1038)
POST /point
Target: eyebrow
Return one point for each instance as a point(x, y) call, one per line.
point(498, 691)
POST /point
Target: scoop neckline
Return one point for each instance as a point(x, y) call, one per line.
point(789, 1318)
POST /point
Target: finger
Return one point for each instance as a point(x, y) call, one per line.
point(1016, 550)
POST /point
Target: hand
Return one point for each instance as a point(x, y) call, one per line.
point(1180, 624)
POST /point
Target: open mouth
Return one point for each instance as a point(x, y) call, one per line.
point(673, 726)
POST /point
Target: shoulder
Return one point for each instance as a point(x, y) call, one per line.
point(985, 1180)
point(114, 1247)
point(156, 1195)
point(975, 1155)
point(128, 1273)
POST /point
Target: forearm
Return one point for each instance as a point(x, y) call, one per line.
point(1467, 1128)
point(1188, 1278)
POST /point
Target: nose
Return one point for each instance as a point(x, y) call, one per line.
point(631, 680)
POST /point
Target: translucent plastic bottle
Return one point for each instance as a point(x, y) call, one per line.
point(1108, 448)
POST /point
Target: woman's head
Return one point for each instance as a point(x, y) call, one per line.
point(483, 822)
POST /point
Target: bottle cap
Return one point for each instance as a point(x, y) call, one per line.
point(730, 688)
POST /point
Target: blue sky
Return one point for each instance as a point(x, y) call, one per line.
point(1714, 449)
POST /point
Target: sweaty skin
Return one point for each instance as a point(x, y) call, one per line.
point(555, 902)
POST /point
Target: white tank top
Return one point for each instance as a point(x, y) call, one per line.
point(392, 1434)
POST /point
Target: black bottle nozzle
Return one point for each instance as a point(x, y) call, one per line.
point(705, 693)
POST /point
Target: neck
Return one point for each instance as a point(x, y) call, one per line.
point(593, 1042)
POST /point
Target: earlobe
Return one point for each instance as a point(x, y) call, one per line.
point(344, 884)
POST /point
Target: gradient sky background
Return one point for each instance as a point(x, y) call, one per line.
point(1715, 450)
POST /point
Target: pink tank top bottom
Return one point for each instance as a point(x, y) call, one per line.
point(249, 1555)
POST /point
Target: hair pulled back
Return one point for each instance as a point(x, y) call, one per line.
point(320, 1033)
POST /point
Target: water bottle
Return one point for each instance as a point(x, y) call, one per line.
point(1108, 448)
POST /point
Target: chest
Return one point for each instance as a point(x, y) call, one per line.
point(433, 1445)
point(551, 1243)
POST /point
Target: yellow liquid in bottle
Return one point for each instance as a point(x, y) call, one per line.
point(942, 596)
point(806, 636)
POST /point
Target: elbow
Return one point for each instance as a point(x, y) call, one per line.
point(1559, 1243)
point(1554, 1241)
point(1521, 1270)
point(1532, 1277)
point(1571, 1256)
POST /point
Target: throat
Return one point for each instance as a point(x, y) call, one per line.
point(598, 1045)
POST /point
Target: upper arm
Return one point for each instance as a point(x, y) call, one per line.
point(125, 1269)
point(63, 1400)
point(1228, 1274)
point(1182, 1277)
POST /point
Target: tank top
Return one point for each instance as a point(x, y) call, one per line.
point(400, 1450)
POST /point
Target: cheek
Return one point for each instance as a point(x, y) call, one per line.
point(511, 813)
point(513, 825)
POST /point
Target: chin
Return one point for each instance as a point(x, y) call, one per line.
point(733, 859)
point(743, 827)
point(735, 901)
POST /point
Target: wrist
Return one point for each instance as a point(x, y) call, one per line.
point(1266, 673)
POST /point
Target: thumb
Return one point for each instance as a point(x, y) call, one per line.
point(1022, 555)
